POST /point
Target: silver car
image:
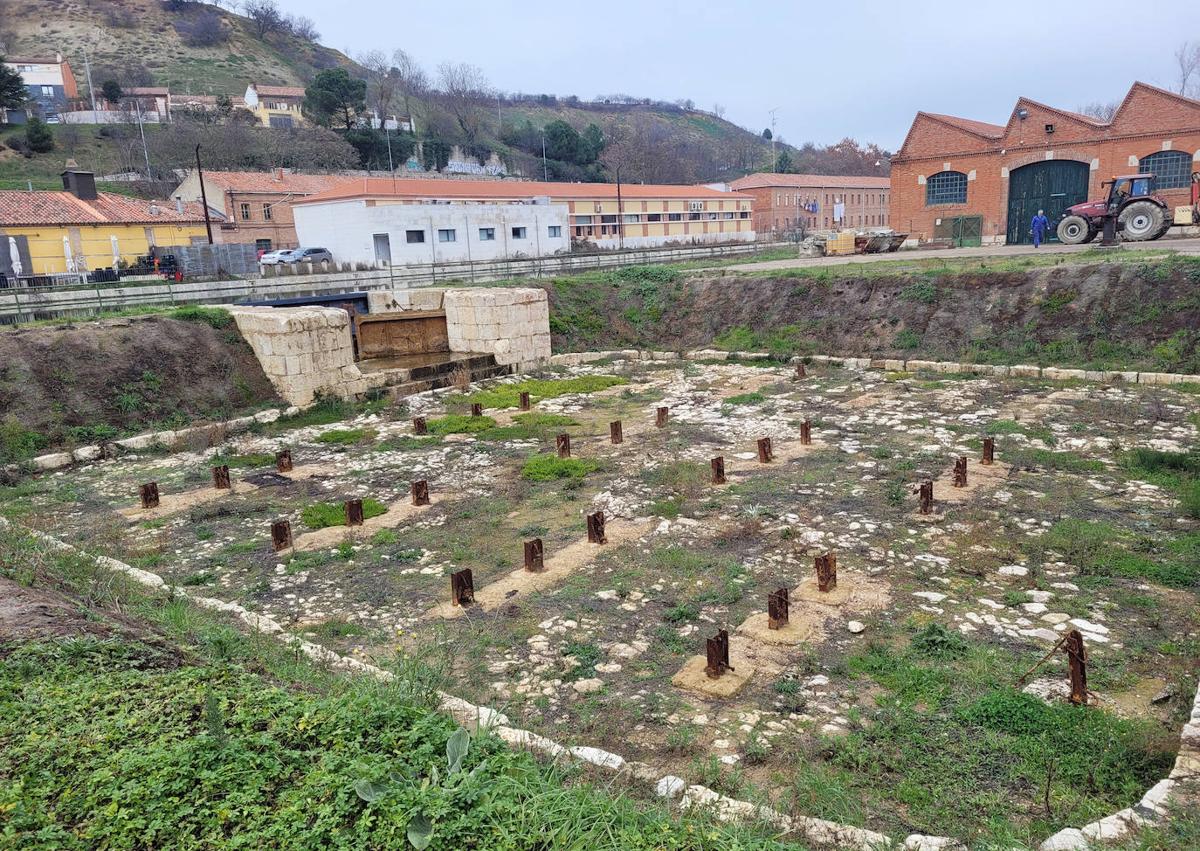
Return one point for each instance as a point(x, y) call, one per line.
point(295, 255)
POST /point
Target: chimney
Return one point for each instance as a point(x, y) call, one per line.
point(81, 184)
point(58, 57)
point(179, 206)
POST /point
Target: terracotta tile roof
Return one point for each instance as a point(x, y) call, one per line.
point(272, 181)
point(980, 128)
point(506, 190)
point(25, 60)
point(20, 207)
point(280, 91)
point(810, 181)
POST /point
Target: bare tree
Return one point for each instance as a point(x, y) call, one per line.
point(1099, 109)
point(1187, 58)
point(411, 80)
point(719, 110)
point(264, 15)
point(381, 82)
point(463, 87)
point(302, 27)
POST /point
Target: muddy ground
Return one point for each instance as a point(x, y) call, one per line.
point(74, 384)
point(1115, 315)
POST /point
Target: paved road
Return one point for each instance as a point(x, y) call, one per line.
point(1189, 245)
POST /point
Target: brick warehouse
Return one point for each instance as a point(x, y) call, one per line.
point(971, 182)
point(787, 202)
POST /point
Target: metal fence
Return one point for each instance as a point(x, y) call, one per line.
point(67, 296)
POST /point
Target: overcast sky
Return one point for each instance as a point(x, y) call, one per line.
point(843, 68)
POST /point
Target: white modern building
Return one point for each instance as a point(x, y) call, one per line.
point(378, 220)
point(376, 233)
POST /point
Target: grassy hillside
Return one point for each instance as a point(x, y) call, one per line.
point(129, 35)
point(143, 42)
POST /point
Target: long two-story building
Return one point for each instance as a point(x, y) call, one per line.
point(382, 221)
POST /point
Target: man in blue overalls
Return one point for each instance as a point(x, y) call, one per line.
point(1039, 226)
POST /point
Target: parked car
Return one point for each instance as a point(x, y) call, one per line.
point(295, 255)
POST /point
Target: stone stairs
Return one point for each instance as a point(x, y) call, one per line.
point(405, 381)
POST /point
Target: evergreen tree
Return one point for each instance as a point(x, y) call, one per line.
point(13, 93)
point(38, 136)
point(335, 97)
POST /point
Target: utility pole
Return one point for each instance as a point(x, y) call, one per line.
point(620, 215)
point(774, 158)
point(387, 133)
point(545, 171)
point(87, 70)
point(142, 130)
point(203, 197)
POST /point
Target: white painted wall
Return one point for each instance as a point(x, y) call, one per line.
point(348, 229)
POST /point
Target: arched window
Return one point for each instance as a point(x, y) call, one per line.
point(946, 187)
point(1173, 169)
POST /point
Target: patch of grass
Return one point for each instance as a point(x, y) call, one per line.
point(587, 654)
point(334, 629)
point(745, 399)
point(681, 613)
point(1046, 459)
point(347, 436)
point(686, 477)
point(937, 642)
point(668, 508)
point(406, 442)
point(18, 443)
point(530, 426)
point(907, 339)
point(509, 395)
point(320, 515)
point(546, 468)
point(459, 424)
point(250, 459)
point(922, 292)
point(1102, 549)
point(191, 742)
point(215, 317)
point(1042, 433)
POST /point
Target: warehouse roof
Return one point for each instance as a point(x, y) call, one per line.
point(506, 190)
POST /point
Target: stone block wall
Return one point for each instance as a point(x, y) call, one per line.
point(305, 351)
point(510, 323)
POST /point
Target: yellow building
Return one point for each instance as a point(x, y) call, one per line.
point(276, 106)
point(80, 229)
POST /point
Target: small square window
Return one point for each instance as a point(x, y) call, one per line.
point(266, 212)
point(487, 234)
point(518, 233)
point(447, 235)
point(414, 236)
point(555, 231)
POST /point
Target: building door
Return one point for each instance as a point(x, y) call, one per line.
point(960, 231)
point(1052, 186)
point(383, 249)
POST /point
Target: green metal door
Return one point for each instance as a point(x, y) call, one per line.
point(968, 231)
point(1052, 186)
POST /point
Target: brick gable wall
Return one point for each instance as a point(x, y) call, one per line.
point(1149, 121)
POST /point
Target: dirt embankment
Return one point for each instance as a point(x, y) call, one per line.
point(1143, 316)
point(75, 384)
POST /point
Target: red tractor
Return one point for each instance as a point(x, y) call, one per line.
point(1133, 207)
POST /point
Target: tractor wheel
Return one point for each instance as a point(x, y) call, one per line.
point(1075, 230)
point(1141, 220)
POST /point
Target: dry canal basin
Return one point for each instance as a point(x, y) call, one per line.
point(900, 698)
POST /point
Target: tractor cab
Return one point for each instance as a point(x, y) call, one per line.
point(1121, 189)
